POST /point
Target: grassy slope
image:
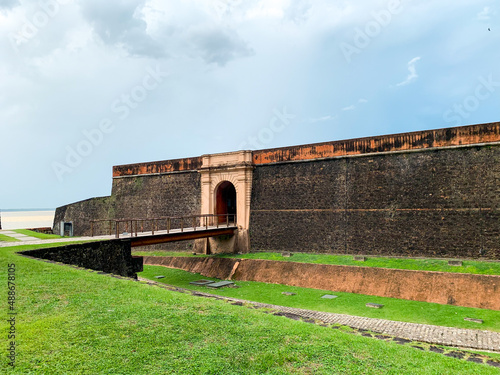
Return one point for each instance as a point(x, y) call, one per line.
point(5, 238)
point(346, 303)
point(41, 236)
point(473, 267)
point(80, 322)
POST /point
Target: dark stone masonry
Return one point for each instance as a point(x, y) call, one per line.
point(440, 203)
point(433, 193)
point(112, 256)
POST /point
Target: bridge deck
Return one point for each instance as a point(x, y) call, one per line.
point(162, 236)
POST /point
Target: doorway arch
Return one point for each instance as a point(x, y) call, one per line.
point(225, 201)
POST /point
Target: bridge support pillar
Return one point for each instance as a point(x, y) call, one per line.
point(239, 242)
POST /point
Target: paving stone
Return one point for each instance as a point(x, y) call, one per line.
point(329, 296)
point(374, 305)
point(475, 360)
point(359, 258)
point(159, 277)
point(493, 363)
point(219, 284)
point(289, 293)
point(457, 263)
point(457, 355)
point(401, 340)
point(202, 282)
point(286, 254)
point(479, 321)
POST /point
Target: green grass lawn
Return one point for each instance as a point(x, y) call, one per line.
point(74, 321)
point(162, 253)
point(41, 236)
point(346, 303)
point(5, 238)
point(469, 266)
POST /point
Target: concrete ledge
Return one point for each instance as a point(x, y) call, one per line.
point(479, 291)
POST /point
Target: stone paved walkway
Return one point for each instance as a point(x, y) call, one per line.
point(18, 236)
point(37, 241)
point(448, 336)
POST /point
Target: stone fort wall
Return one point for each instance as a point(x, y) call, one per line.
point(440, 203)
point(428, 193)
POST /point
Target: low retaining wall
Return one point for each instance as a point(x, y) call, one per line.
point(112, 256)
point(220, 268)
point(480, 291)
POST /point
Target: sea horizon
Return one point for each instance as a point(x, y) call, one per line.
point(26, 218)
point(25, 209)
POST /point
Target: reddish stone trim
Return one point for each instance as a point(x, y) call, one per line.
point(459, 136)
point(463, 135)
point(176, 165)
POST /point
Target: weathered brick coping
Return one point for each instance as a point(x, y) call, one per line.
point(480, 134)
point(479, 291)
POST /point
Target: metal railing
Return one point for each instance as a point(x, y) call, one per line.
point(133, 227)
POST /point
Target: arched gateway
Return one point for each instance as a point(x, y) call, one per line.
point(225, 201)
point(226, 187)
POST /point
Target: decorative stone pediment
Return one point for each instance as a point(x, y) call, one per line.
point(234, 167)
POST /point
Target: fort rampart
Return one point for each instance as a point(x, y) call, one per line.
point(432, 193)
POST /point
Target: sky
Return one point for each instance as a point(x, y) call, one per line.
point(88, 84)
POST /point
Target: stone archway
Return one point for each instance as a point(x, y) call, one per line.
point(225, 201)
point(222, 171)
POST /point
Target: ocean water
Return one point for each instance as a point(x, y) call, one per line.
point(27, 219)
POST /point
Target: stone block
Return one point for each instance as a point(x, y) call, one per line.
point(219, 284)
point(359, 258)
point(202, 282)
point(457, 263)
point(286, 254)
point(288, 293)
point(374, 305)
point(479, 321)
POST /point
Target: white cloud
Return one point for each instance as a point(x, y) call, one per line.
point(349, 108)
point(219, 46)
point(362, 100)
point(322, 119)
point(150, 29)
point(267, 9)
point(8, 4)
point(485, 14)
point(412, 76)
point(298, 10)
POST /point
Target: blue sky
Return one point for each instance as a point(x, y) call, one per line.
point(85, 85)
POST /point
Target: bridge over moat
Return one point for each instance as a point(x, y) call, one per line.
point(151, 231)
